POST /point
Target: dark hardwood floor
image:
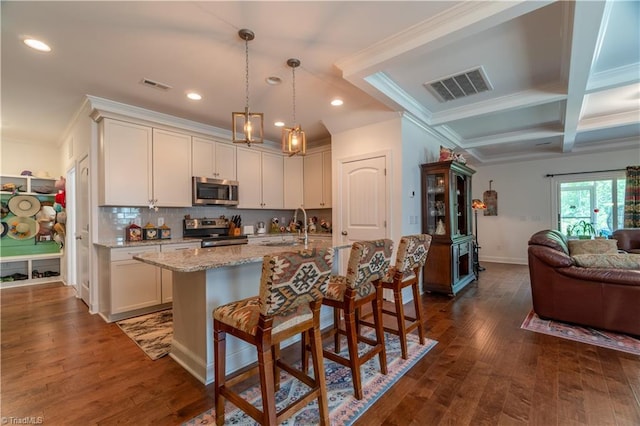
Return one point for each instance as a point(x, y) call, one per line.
point(72, 368)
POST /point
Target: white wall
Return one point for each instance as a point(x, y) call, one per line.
point(418, 147)
point(34, 156)
point(524, 199)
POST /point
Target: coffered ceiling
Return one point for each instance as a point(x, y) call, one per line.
point(562, 78)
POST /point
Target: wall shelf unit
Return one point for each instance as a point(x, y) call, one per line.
point(28, 261)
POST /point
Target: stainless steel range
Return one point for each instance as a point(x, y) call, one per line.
point(212, 232)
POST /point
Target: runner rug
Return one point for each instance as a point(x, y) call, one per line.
point(152, 332)
point(344, 409)
point(591, 336)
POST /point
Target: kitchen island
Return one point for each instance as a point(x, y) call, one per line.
point(205, 278)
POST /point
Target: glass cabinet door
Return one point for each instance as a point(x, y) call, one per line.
point(461, 196)
point(436, 204)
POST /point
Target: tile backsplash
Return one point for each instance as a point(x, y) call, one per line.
point(114, 220)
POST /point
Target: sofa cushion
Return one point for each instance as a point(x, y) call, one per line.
point(597, 246)
point(615, 261)
point(550, 238)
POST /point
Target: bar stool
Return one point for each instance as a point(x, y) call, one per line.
point(411, 257)
point(292, 286)
point(368, 264)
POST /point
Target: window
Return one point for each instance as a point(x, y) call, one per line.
point(596, 198)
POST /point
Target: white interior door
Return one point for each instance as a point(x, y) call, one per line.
point(82, 230)
point(70, 247)
point(363, 196)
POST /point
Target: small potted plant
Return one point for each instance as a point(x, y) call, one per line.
point(582, 229)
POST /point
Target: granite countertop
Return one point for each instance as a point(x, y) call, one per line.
point(201, 259)
point(120, 242)
point(290, 234)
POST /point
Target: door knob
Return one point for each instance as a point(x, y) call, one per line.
point(78, 237)
point(344, 232)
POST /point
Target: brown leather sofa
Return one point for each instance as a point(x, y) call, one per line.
point(597, 297)
point(628, 239)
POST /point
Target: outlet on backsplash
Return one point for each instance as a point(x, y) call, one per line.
point(160, 221)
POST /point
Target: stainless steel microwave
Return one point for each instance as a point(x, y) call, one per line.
point(214, 191)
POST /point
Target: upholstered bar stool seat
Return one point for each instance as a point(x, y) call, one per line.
point(368, 264)
point(410, 259)
point(292, 286)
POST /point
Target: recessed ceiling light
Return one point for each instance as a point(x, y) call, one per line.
point(337, 102)
point(273, 80)
point(194, 96)
point(279, 124)
point(37, 45)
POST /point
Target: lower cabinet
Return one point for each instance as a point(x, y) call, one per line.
point(133, 285)
point(449, 266)
point(166, 274)
point(129, 287)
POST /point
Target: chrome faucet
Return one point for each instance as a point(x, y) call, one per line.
point(304, 225)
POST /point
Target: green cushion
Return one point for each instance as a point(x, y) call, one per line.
point(611, 261)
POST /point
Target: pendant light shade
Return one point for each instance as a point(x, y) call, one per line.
point(247, 126)
point(293, 138)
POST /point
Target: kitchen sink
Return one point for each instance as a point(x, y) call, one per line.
point(281, 243)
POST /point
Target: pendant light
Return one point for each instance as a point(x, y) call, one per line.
point(293, 138)
point(247, 126)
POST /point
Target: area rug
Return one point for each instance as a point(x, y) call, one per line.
point(344, 409)
point(152, 332)
point(591, 336)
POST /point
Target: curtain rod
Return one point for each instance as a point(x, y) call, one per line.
point(582, 173)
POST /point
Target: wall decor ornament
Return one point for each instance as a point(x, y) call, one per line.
point(490, 199)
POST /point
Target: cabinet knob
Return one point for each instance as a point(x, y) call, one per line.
point(344, 232)
point(78, 237)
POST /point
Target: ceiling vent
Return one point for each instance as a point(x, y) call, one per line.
point(460, 85)
point(155, 84)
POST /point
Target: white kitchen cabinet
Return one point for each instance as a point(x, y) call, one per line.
point(133, 285)
point(213, 159)
point(261, 179)
point(167, 275)
point(171, 169)
point(293, 182)
point(317, 180)
point(126, 164)
point(272, 181)
point(140, 165)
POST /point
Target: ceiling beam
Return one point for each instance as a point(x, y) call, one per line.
point(587, 29)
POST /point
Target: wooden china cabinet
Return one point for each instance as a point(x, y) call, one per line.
point(446, 216)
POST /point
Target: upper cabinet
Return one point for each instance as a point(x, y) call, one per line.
point(171, 169)
point(260, 179)
point(293, 182)
point(317, 180)
point(213, 159)
point(140, 166)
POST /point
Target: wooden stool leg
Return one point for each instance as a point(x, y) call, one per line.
point(418, 307)
point(318, 372)
point(305, 352)
point(377, 309)
point(336, 326)
point(265, 366)
point(219, 356)
point(276, 370)
point(354, 361)
point(402, 329)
